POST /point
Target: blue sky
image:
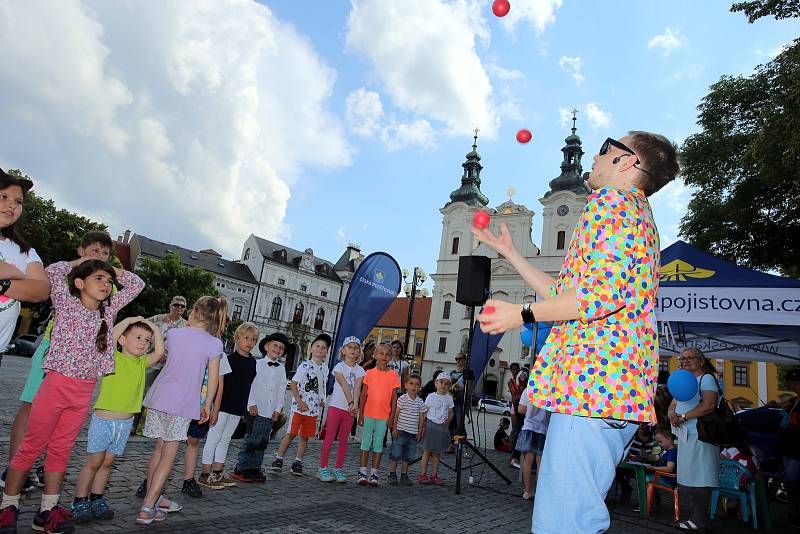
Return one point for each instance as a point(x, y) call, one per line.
point(319, 122)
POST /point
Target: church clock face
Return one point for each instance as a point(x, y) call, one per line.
point(562, 210)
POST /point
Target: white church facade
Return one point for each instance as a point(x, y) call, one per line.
point(449, 325)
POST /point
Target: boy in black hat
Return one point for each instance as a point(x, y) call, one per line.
point(264, 405)
point(308, 396)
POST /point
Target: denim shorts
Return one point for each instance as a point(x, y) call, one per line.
point(404, 448)
point(108, 435)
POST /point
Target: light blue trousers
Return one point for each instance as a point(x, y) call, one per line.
point(579, 462)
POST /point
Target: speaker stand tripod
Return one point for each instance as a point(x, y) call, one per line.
point(462, 442)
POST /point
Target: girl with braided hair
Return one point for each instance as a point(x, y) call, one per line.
point(81, 350)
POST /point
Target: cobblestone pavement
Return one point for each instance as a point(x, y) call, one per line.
point(288, 504)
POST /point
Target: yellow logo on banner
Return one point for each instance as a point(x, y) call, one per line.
point(679, 271)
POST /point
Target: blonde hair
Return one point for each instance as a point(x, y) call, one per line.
point(358, 359)
point(245, 327)
point(212, 313)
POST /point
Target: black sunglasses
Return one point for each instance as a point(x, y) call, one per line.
point(179, 305)
point(613, 142)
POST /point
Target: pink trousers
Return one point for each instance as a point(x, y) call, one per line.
point(339, 423)
point(58, 412)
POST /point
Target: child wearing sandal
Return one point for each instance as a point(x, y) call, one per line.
point(81, 350)
point(119, 399)
point(172, 400)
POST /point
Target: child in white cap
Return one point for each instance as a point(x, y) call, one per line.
point(343, 408)
point(437, 436)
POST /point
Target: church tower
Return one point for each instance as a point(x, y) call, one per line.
point(563, 204)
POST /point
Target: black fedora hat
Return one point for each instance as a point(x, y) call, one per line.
point(280, 337)
point(24, 183)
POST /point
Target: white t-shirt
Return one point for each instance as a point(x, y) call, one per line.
point(536, 419)
point(351, 374)
point(311, 382)
point(9, 308)
point(399, 366)
point(438, 406)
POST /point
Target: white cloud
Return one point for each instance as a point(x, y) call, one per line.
point(573, 66)
point(507, 75)
point(185, 121)
point(538, 13)
point(364, 112)
point(564, 116)
point(666, 42)
point(771, 53)
point(423, 53)
point(365, 117)
point(397, 135)
point(597, 117)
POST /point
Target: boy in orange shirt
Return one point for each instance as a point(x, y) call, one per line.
point(377, 406)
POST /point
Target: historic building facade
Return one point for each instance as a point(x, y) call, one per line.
point(449, 325)
point(297, 293)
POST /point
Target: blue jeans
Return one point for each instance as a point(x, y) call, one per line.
point(251, 451)
point(404, 448)
point(578, 466)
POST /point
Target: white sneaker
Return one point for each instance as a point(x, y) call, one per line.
point(514, 463)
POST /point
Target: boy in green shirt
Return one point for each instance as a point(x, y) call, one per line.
point(119, 399)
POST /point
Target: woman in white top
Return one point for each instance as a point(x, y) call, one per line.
point(22, 276)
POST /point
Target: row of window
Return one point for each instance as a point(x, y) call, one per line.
point(238, 289)
point(297, 317)
point(561, 238)
point(303, 287)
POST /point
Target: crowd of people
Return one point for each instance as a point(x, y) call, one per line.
point(169, 378)
point(589, 394)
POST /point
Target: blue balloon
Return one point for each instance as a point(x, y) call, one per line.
point(682, 385)
point(529, 326)
point(526, 336)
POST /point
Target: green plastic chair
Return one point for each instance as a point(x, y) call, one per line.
point(731, 481)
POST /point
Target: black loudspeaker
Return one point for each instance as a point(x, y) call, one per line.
point(474, 274)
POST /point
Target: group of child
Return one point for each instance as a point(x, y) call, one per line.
point(199, 392)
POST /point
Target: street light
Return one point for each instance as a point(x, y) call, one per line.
point(410, 289)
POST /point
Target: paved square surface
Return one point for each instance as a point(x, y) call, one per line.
point(288, 504)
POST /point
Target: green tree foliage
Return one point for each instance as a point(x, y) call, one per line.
point(745, 162)
point(780, 9)
point(164, 278)
point(54, 233)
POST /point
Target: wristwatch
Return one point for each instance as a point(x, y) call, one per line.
point(4, 285)
point(527, 313)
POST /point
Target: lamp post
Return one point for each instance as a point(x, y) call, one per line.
point(410, 288)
